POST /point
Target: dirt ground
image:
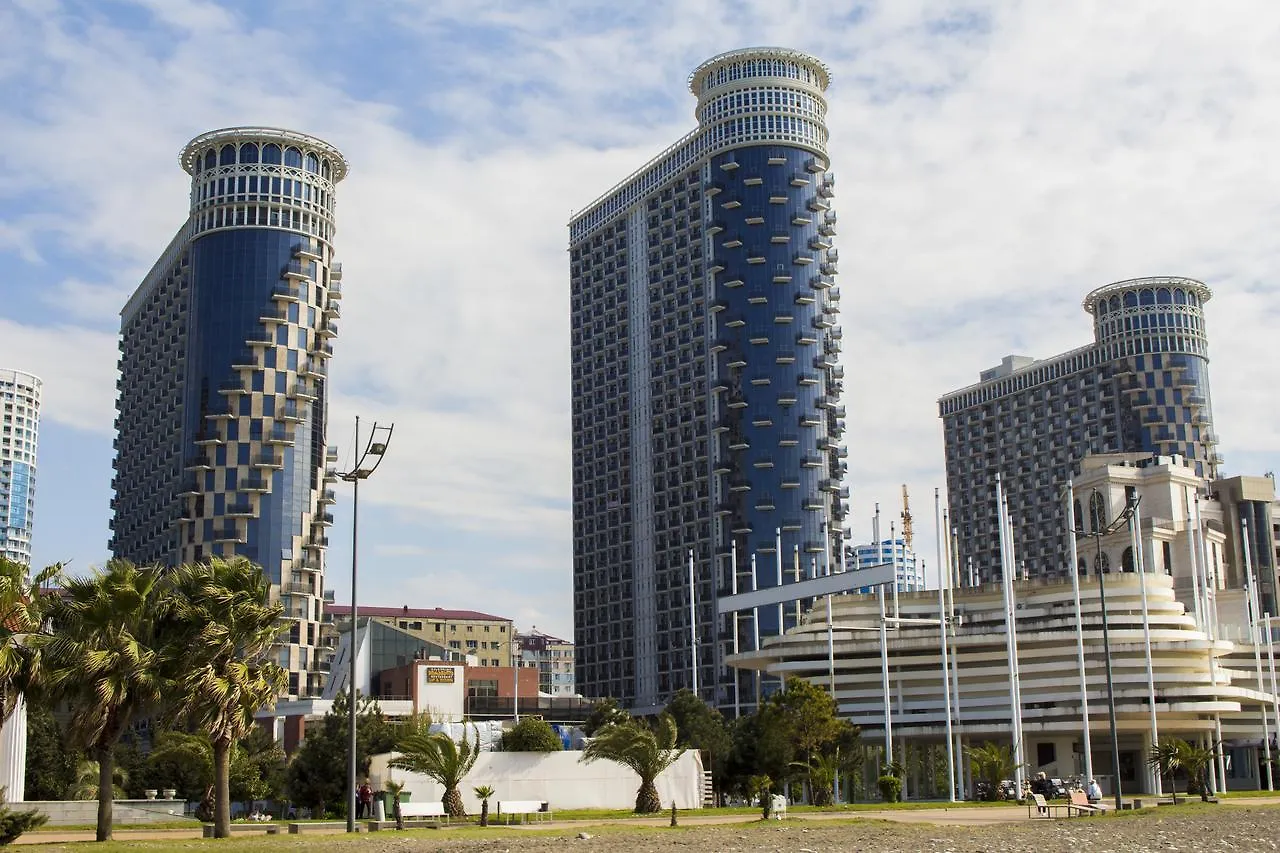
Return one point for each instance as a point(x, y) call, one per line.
point(1222, 829)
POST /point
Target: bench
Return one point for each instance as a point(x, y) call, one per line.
point(523, 808)
point(1037, 807)
point(268, 828)
point(319, 826)
point(422, 811)
point(1081, 805)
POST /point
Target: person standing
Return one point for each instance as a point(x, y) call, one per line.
point(364, 800)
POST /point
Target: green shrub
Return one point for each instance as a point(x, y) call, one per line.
point(13, 824)
point(890, 788)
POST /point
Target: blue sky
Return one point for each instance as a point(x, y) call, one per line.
point(996, 161)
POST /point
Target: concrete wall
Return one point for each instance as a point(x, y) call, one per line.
point(81, 812)
point(558, 778)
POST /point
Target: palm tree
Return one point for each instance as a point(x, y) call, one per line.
point(1165, 758)
point(22, 611)
point(644, 750)
point(1196, 760)
point(102, 656)
point(437, 756)
point(222, 628)
point(991, 764)
point(483, 793)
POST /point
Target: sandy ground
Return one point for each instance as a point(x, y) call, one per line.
point(1224, 828)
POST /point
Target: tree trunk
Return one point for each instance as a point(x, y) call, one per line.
point(647, 801)
point(453, 803)
point(484, 812)
point(106, 791)
point(221, 789)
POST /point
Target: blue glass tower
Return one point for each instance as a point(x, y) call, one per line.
point(19, 435)
point(224, 352)
point(706, 385)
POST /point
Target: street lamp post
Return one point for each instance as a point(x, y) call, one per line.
point(368, 461)
point(1097, 519)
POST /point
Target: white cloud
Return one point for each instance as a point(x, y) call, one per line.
point(995, 163)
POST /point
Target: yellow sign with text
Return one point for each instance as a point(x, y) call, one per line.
point(440, 674)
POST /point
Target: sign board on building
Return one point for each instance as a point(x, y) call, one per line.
point(440, 674)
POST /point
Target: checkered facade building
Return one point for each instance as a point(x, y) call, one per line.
point(224, 353)
point(1141, 386)
point(706, 385)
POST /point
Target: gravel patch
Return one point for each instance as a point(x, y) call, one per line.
point(1216, 829)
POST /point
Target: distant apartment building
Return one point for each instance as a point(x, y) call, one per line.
point(19, 436)
point(553, 658)
point(483, 636)
point(224, 354)
point(1141, 386)
point(908, 568)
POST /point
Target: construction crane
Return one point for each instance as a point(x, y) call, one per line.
point(906, 516)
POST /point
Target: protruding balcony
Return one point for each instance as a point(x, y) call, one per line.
point(240, 510)
point(762, 462)
point(303, 391)
point(784, 357)
point(732, 241)
point(335, 289)
point(291, 411)
point(804, 339)
point(803, 298)
point(718, 305)
point(287, 292)
point(780, 237)
point(280, 434)
point(327, 330)
point(808, 419)
point(801, 259)
point(811, 461)
point(788, 440)
point(327, 496)
point(820, 243)
point(800, 179)
point(738, 441)
point(715, 227)
point(766, 504)
point(739, 484)
point(274, 317)
point(730, 204)
point(827, 185)
point(825, 362)
point(191, 486)
point(725, 508)
point(254, 484)
point(269, 459)
point(232, 386)
point(323, 351)
point(200, 462)
point(732, 282)
point(307, 253)
point(815, 165)
point(323, 519)
point(228, 533)
point(713, 187)
point(801, 218)
point(821, 282)
point(298, 271)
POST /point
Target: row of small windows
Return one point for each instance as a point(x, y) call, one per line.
point(249, 152)
point(263, 215)
point(755, 99)
point(1148, 296)
point(758, 127)
point(760, 68)
point(254, 185)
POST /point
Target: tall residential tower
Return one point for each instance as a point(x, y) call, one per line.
point(224, 352)
point(20, 421)
point(1142, 386)
point(706, 385)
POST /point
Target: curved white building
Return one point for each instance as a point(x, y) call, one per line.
point(19, 433)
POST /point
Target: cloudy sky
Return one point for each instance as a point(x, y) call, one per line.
point(996, 161)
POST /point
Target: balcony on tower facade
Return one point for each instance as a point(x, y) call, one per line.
point(269, 459)
point(228, 533)
point(199, 462)
point(274, 317)
point(290, 411)
point(307, 253)
point(242, 509)
point(323, 519)
point(327, 330)
point(254, 484)
point(298, 271)
point(279, 434)
point(335, 289)
point(738, 441)
point(327, 496)
point(739, 484)
point(287, 292)
point(827, 185)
